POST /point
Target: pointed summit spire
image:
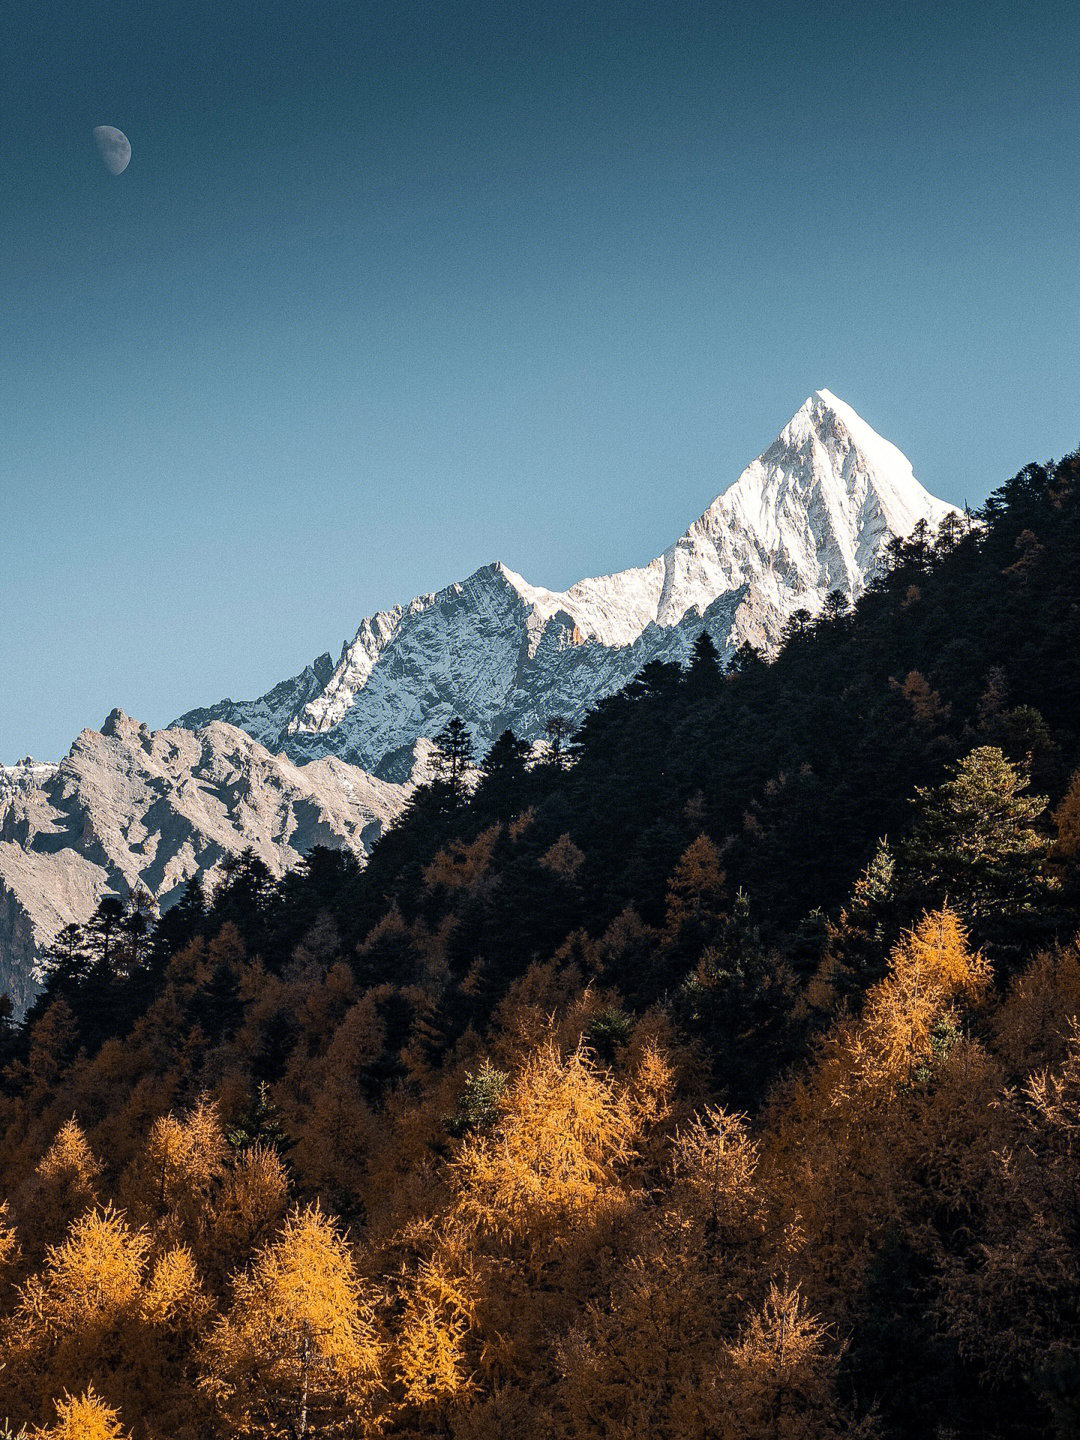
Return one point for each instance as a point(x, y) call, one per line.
point(812, 514)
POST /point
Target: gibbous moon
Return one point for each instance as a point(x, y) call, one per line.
point(113, 147)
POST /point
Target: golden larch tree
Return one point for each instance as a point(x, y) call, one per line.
point(297, 1354)
point(85, 1417)
point(553, 1157)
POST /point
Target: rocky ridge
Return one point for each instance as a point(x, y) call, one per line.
point(127, 808)
point(812, 514)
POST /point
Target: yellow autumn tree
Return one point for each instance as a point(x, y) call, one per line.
point(1012, 1305)
point(297, 1353)
point(431, 1352)
point(86, 1417)
point(252, 1199)
point(644, 1360)
point(931, 970)
point(553, 1157)
point(173, 1292)
point(1032, 1026)
point(175, 1182)
point(846, 1139)
point(696, 887)
point(99, 1311)
point(782, 1379)
point(63, 1185)
point(9, 1247)
point(330, 1116)
point(1065, 853)
point(69, 1321)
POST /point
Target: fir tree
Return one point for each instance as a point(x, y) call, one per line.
point(453, 758)
point(974, 845)
point(560, 735)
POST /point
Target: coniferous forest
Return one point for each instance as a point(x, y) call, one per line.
point(714, 1075)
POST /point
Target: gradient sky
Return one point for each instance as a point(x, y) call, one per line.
point(390, 290)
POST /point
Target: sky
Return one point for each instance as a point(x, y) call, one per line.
point(391, 290)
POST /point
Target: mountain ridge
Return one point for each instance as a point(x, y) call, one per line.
point(329, 755)
point(131, 809)
point(812, 513)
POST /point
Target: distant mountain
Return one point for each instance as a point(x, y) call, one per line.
point(292, 769)
point(128, 808)
point(812, 514)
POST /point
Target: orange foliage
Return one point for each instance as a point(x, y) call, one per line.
point(1032, 1024)
point(297, 1353)
point(85, 1418)
point(551, 1248)
point(460, 864)
point(554, 1157)
point(563, 858)
point(1066, 848)
point(696, 886)
point(431, 1359)
point(783, 1374)
point(847, 1140)
point(61, 1187)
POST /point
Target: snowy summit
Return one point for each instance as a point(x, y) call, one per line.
point(813, 513)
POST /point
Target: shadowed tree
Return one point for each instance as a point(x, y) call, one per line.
point(704, 672)
point(560, 733)
point(503, 773)
point(453, 758)
point(107, 919)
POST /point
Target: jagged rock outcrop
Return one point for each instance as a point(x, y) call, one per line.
point(128, 808)
point(812, 514)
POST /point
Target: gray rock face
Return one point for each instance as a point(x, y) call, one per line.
point(128, 808)
point(812, 514)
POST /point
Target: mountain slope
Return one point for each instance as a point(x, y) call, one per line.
point(128, 808)
point(812, 514)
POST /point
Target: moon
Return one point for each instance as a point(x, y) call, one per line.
point(113, 147)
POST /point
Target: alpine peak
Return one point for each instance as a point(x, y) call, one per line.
point(813, 513)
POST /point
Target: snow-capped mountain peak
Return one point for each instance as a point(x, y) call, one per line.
point(813, 513)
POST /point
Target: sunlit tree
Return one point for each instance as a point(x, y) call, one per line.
point(297, 1353)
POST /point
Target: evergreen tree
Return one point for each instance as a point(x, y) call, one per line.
point(503, 773)
point(704, 673)
point(974, 845)
point(181, 922)
point(836, 606)
point(453, 758)
point(105, 925)
point(137, 923)
point(7, 1026)
point(560, 735)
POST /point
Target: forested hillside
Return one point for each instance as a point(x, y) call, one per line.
point(715, 1076)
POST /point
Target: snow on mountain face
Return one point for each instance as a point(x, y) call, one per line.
point(812, 514)
point(127, 808)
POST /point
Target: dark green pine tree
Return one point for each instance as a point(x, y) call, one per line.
point(181, 922)
point(244, 895)
point(974, 845)
point(453, 759)
point(7, 1028)
point(136, 924)
point(260, 1124)
point(105, 926)
point(503, 775)
point(560, 734)
point(704, 674)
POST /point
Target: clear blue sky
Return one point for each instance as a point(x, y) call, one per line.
point(390, 290)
